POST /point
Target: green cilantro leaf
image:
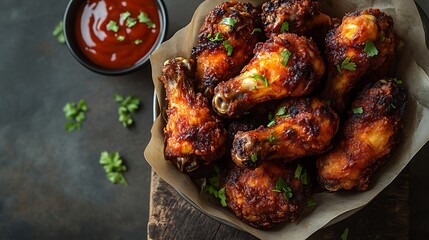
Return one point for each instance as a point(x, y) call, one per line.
point(128, 105)
point(398, 81)
point(75, 113)
point(358, 110)
point(222, 196)
point(144, 18)
point(58, 32)
point(382, 38)
point(285, 56)
point(301, 174)
point(114, 167)
point(298, 171)
point(281, 111)
point(131, 22)
point(229, 21)
point(123, 16)
point(112, 26)
point(228, 47)
point(120, 38)
point(271, 138)
point(261, 77)
point(138, 41)
point(212, 190)
point(218, 37)
point(370, 49)
point(281, 186)
point(254, 157)
point(346, 64)
point(284, 27)
point(255, 30)
point(311, 203)
point(212, 186)
point(345, 234)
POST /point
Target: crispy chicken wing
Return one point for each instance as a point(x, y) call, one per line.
point(193, 135)
point(301, 127)
point(225, 44)
point(260, 198)
point(285, 65)
point(363, 44)
point(370, 134)
point(293, 16)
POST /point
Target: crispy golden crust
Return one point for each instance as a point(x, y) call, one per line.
point(213, 63)
point(269, 76)
point(348, 40)
point(193, 135)
point(251, 197)
point(368, 137)
point(305, 127)
point(301, 16)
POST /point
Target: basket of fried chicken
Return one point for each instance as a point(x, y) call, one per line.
point(272, 110)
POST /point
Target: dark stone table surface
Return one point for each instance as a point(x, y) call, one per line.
point(51, 184)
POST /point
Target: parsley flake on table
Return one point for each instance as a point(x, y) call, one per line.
point(114, 167)
point(346, 64)
point(228, 47)
point(284, 27)
point(285, 56)
point(229, 21)
point(281, 186)
point(217, 37)
point(112, 26)
point(128, 105)
point(370, 49)
point(144, 18)
point(75, 113)
point(262, 78)
point(358, 110)
point(58, 32)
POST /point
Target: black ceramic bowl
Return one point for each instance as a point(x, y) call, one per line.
point(72, 44)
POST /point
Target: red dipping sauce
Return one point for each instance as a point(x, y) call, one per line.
point(122, 43)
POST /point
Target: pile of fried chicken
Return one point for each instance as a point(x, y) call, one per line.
point(282, 96)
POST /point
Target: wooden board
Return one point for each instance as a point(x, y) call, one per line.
point(171, 217)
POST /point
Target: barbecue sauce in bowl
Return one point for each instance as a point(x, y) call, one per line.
point(117, 34)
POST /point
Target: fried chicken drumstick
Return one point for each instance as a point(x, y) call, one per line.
point(266, 195)
point(193, 135)
point(285, 65)
point(370, 134)
point(293, 16)
point(225, 43)
point(363, 44)
point(301, 127)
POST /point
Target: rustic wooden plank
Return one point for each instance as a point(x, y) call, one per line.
point(171, 217)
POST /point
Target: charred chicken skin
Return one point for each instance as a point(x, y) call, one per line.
point(225, 44)
point(301, 127)
point(254, 196)
point(363, 44)
point(285, 65)
point(193, 135)
point(293, 16)
point(370, 134)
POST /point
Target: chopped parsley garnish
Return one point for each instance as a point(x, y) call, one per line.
point(144, 18)
point(123, 16)
point(382, 38)
point(281, 186)
point(131, 22)
point(75, 113)
point(212, 186)
point(114, 167)
point(137, 41)
point(370, 49)
point(58, 32)
point(228, 47)
point(262, 78)
point(271, 138)
point(271, 119)
point(112, 26)
point(222, 197)
point(285, 56)
point(254, 157)
point(120, 38)
point(281, 111)
point(229, 21)
point(284, 27)
point(301, 174)
point(392, 106)
point(128, 105)
point(346, 64)
point(217, 37)
point(345, 234)
point(255, 30)
point(358, 110)
point(311, 203)
point(398, 81)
